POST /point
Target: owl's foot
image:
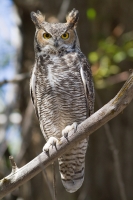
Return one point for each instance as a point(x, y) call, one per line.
point(69, 128)
point(51, 142)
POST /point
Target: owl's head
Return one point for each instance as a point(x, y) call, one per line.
point(55, 35)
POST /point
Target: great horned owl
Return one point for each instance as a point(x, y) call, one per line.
point(62, 90)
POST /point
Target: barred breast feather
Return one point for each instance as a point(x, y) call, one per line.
point(63, 94)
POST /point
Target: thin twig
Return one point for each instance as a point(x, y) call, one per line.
point(87, 127)
point(54, 180)
point(46, 180)
point(115, 155)
point(13, 164)
point(116, 163)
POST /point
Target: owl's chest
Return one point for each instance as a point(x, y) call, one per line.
point(59, 92)
point(59, 72)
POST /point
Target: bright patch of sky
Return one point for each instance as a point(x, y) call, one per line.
point(10, 50)
point(10, 44)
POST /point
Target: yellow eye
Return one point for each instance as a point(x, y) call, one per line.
point(47, 35)
point(65, 36)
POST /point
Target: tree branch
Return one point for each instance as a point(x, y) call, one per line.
point(91, 124)
point(16, 79)
point(117, 78)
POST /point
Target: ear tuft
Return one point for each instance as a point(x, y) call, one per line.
point(73, 17)
point(39, 12)
point(37, 18)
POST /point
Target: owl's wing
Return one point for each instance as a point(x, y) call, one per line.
point(33, 97)
point(87, 79)
point(32, 89)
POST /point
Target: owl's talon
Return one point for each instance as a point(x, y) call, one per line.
point(69, 128)
point(51, 142)
point(65, 134)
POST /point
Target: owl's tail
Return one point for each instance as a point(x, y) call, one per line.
point(72, 166)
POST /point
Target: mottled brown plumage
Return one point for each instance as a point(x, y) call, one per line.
point(62, 90)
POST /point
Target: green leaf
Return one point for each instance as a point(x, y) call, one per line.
point(91, 13)
point(93, 57)
point(120, 56)
point(114, 69)
point(100, 84)
point(130, 52)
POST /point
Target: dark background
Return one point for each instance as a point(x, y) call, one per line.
point(105, 32)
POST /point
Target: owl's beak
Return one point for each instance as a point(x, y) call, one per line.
point(56, 43)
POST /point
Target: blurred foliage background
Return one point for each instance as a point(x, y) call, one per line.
point(105, 32)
